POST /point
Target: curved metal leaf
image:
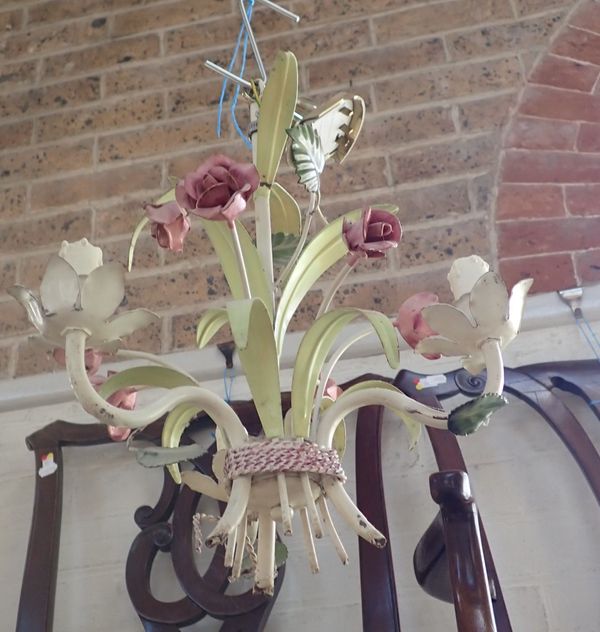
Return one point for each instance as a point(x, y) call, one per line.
point(414, 428)
point(153, 376)
point(175, 424)
point(308, 155)
point(284, 247)
point(222, 241)
point(253, 335)
point(316, 345)
point(339, 437)
point(160, 456)
point(209, 324)
point(276, 114)
point(325, 250)
point(285, 212)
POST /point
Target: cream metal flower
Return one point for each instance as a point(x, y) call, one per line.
point(78, 292)
point(482, 311)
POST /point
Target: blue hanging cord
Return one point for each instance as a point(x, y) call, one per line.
point(228, 378)
point(243, 34)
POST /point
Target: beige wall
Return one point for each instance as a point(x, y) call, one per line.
point(102, 100)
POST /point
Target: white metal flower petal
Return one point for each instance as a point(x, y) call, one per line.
point(30, 303)
point(103, 290)
point(82, 256)
point(59, 289)
point(516, 303)
point(436, 344)
point(488, 302)
point(450, 323)
point(128, 322)
point(464, 273)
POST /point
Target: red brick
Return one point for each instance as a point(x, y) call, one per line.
point(5, 356)
point(159, 139)
point(159, 17)
point(564, 73)
point(121, 218)
point(448, 82)
point(337, 10)
point(13, 202)
point(404, 127)
point(533, 133)
point(426, 20)
point(589, 137)
point(51, 39)
point(157, 74)
point(11, 20)
point(102, 56)
point(587, 17)
point(19, 74)
point(444, 159)
point(36, 162)
point(366, 65)
point(196, 98)
point(59, 10)
point(95, 186)
point(53, 97)
point(549, 272)
point(8, 274)
point(485, 114)
point(529, 201)
point(512, 36)
point(560, 104)
point(15, 134)
point(183, 330)
point(527, 7)
point(550, 166)
point(123, 113)
point(578, 45)
point(587, 265)
point(31, 233)
point(527, 237)
point(13, 320)
point(33, 360)
point(583, 199)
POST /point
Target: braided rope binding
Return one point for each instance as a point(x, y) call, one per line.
point(282, 455)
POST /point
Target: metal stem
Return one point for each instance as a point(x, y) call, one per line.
point(281, 10)
point(229, 75)
point(259, 62)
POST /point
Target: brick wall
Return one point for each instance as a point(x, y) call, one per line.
point(103, 100)
point(548, 212)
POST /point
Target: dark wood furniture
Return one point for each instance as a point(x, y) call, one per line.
point(453, 561)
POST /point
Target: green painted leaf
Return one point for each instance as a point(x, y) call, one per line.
point(469, 417)
point(316, 345)
point(284, 247)
point(307, 155)
point(414, 427)
point(286, 216)
point(175, 424)
point(276, 114)
point(325, 250)
point(158, 456)
point(339, 436)
point(209, 324)
point(134, 239)
point(222, 241)
point(153, 376)
point(253, 335)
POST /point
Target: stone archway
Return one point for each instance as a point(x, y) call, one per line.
point(548, 206)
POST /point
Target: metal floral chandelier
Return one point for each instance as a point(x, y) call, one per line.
point(294, 467)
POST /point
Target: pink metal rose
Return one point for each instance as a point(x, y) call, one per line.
point(219, 189)
point(410, 322)
point(169, 225)
point(332, 390)
point(375, 232)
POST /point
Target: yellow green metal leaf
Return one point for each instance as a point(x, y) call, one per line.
point(339, 436)
point(222, 241)
point(175, 424)
point(134, 238)
point(285, 212)
point(414, 427)
point(276, 114)
point(209, 324)
point(316, 345)
point(253, 335)
point(324, 251)
point(152, 376)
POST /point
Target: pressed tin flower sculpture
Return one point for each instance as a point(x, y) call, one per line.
point(294, 467)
